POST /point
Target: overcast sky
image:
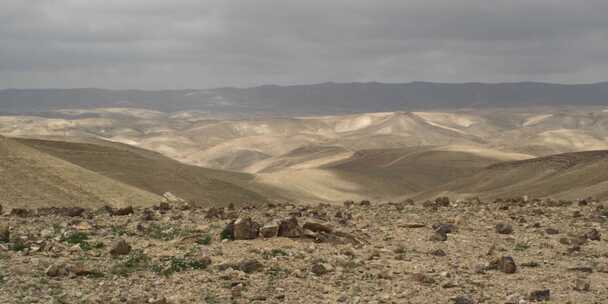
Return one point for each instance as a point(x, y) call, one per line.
point(169, 44)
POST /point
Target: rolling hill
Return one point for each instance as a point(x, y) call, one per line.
point(58, 173)
point(562, 176)
point(381, 155)
point(384, 174)
point(31, 178)
point(153, 172)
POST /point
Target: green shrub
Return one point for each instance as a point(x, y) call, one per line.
point(135, 261)
point(177, 264)
point(164, 232)
point(118, 231)
point(275, 252)
point(204, 240)
point(80, 239)
point(18, 246)
point(226, 234)
point(76, 238)
point(521, 247)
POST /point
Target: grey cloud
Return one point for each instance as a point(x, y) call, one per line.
point(197, 44)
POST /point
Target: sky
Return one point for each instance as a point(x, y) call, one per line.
point(176, 44)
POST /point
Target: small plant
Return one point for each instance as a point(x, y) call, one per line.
point(118, 231)
point(277, 272)
point(521, 247)
point(275, 252)
point(164, 232)
point(211, 299)
point(76, 238)
point(177, 264)
point(18, 246)
point(226, 234)
point(136, 260)
point(80, 239)
point(204, 240)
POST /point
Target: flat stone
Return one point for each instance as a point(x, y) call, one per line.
point(317, 227)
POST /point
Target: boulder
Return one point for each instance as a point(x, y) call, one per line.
point(445, 228)
point(593, 235)
point(20, 212)
point(122, 211)
point(120, 247)
point(270, 230)
point(71, 211)
point(503, 228)
point(289, 227)
point(317, 227)
point(245, 229)
point(551, 231)
point(172, 198)
point(439, 237)
point(56, 270)
point(505, 264)
point(540, 295)
point(442, 201)
point(4, 233)
point(250, 266)
point(463, 299)
point(320, 269)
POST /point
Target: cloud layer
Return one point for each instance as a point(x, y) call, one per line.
point(154, 44)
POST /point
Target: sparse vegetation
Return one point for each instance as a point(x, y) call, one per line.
point(179, 264)
point(164, 232)
point(136, 260)
point(275, 252)
point(81, 239)
point(118, 231)
point(225, 235)
point(18, 246)
point(204, 240)
point(521, 247)
point(210, 298)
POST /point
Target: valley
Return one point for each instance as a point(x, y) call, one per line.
point(379, 156)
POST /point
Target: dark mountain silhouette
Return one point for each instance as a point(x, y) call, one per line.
point(322, 98)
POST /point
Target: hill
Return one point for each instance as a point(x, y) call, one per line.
point(384, 174)
point(562, 176)
point(31, 178)
point(152, 172)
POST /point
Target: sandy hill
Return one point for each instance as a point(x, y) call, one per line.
point(385, 173)
point(332, 157)
point(31, 178)
point(561, 176)
point(152, 172)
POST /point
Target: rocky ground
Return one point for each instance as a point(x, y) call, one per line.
point(512, 251)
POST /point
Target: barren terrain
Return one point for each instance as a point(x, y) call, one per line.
point(505, 251)
point(384, 156)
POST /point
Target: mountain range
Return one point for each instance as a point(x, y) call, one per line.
point(314, 99)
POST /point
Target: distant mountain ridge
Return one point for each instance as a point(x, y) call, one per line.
point(324, 98)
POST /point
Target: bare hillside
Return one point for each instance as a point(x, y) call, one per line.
point(153, 172)
point(31, 178)
point(563, 176)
